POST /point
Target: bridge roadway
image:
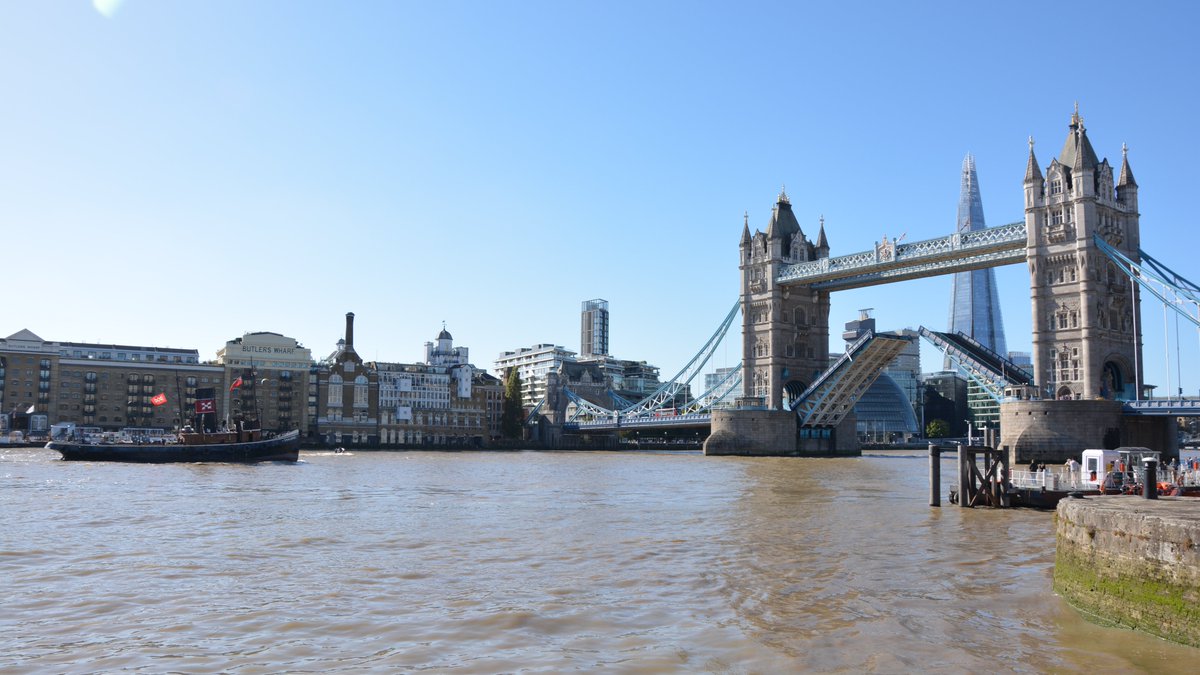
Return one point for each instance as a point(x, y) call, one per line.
point(697, 420)
point(1163, 408)
point(1158, 408)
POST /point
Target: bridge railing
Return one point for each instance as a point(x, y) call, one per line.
point(1180, 407)
point(888, 256)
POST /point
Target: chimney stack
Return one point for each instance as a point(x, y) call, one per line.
point(349, 330)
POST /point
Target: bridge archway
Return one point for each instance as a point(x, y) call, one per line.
point(792, 390)
point(1116, 379)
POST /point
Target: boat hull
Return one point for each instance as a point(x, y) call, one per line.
point(282, 448)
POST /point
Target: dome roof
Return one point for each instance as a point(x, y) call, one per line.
point(444, 335)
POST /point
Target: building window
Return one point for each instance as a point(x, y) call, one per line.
point(335, 390)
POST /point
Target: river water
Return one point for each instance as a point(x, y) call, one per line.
point(530, 562)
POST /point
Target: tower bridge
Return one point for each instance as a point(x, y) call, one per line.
point(1081, 221)
point(1080, 241)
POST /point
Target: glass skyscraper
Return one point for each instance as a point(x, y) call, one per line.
point(975, 304)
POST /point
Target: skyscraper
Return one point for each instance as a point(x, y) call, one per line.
point(975, 304)
point(593, 334)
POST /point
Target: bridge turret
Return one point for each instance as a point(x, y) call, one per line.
point(1126, 185)
point(785, 332)
point(1084, 342)
point(1080, 158)
point(1035, 184)
point(822, 242)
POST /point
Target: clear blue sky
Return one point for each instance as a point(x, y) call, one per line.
point(179, 173)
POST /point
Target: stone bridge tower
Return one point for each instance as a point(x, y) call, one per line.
point(1086, 341)
point(785, 330)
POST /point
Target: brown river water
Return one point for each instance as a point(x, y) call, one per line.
point(530, 562)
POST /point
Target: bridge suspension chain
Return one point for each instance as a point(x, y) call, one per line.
point(704, 402)
point(1155, 271)
point(665, 395)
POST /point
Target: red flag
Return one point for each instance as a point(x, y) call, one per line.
point(159, 399)
point(206, 405)
point(236, 383)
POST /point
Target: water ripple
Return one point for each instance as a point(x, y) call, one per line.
point(530, 562)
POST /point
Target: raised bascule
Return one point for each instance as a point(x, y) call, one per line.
point(1080, 241)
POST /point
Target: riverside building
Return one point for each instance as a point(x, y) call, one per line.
point(344, 396)
point(108, 386)
point(444, 401)
point(534, 364)
point(272, 372)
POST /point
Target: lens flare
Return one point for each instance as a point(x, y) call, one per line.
point(107, 7)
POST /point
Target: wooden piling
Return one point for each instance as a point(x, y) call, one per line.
point(965, 493)
point(935, 475)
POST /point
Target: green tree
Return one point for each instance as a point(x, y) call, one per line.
point(512, 417)
point(937, 429)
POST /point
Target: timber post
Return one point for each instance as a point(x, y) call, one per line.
point(935, 475)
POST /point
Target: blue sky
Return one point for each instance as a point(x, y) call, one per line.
point(184, 172)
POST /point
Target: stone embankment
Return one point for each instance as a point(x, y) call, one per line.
point(1132, 562)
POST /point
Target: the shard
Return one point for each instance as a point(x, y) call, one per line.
point(975, 303)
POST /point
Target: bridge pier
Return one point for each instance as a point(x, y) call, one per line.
point(1052, 432)
point(754, 431)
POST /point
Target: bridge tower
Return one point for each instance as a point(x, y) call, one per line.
point(785, 330)
point(1086, 341)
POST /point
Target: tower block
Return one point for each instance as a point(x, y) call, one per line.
point(1086, 341)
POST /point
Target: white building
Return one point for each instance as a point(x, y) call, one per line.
point(533, 364)
point(444, 401)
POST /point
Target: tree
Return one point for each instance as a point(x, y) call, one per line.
point(512, 417)
point(937, 429)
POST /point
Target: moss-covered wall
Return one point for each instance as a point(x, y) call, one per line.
point(1132, 562)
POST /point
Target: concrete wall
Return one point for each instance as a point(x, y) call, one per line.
point(1132, 562)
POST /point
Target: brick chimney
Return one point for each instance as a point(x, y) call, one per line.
point(349, 330)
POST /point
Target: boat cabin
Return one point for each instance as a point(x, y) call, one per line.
point(1097, 464)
